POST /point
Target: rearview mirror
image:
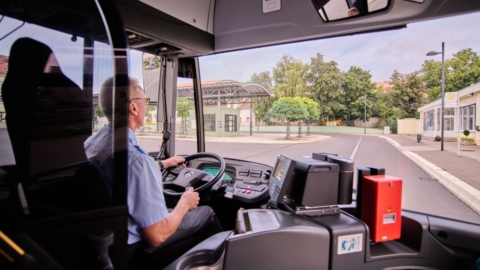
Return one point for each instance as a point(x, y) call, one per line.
point(332, 10)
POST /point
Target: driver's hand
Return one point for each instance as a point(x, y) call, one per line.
point(173, 161)
point(190, 198)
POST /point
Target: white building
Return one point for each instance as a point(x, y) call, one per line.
point(465, 116)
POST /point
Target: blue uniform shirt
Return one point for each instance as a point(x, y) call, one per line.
point(146, 204)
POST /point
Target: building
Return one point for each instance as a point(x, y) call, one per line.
point(384, 86)
point(465, 116)
point(227, 104)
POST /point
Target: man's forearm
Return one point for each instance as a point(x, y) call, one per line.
point(159, 232)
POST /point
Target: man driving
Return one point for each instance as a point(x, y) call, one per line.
point(149, 219)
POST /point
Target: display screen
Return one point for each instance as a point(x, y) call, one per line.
point(282, 178)
point(279, 172)
point(214, 171)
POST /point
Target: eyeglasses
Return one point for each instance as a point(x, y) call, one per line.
point(147, 100)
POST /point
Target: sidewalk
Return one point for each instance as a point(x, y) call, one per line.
point(461, 175)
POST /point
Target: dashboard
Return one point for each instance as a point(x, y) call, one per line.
point(243, 181)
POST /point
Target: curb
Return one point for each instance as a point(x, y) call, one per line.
point(468, 194)
point(261, 141)
point(258, 141)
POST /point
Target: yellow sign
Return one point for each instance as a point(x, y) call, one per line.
point(451, 99)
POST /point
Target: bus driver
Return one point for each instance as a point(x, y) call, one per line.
point(149, 219)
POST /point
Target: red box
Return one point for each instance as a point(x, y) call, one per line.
point(382, 206)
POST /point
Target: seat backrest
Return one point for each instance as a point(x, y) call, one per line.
point(48, 116)
point(48, 119)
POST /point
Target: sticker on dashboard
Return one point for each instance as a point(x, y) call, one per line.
point(349, 243)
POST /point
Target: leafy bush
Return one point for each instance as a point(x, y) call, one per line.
point(393, 125)
point(466, 132)
point(349, 123)
point(438, 138)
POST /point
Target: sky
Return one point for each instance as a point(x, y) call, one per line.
point(380, 53)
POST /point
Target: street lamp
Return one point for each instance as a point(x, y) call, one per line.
point(365, 116)
point(432, 53)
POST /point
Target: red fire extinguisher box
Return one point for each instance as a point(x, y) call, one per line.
point(381, 206)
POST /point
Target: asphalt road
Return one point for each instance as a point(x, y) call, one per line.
point(6, 153)
point(420, 192)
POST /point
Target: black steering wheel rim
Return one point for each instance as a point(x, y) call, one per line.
point(203, 187)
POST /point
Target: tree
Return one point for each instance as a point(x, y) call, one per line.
point(260, 109)
point(184, 105)
point(432, 77)
point(289, 77)
point(325, 83)
point(98, 111)
point(465, 70)
point(262, 78)
point(290, 110)
point(150, 62)
point(462, 70)
point(148, 111)
point(313, 113)
point(358, 83)
point(408, 93)
point(402, 100)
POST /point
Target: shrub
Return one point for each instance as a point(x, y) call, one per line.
point(438, 138)
point(393, 125)
point(466, 132)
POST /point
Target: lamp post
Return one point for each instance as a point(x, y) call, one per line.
point(365, 116)
point(433, 53)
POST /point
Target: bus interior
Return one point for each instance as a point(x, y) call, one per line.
point(57, 211)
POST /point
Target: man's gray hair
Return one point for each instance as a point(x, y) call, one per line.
point(106, 92)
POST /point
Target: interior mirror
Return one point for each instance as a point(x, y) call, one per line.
point(332, 10)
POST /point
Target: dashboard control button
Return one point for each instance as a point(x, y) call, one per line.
point(256, 174)
point(243, 172)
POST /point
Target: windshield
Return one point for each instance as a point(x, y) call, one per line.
point(353, 96)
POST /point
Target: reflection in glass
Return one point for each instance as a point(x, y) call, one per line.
point(339, 9)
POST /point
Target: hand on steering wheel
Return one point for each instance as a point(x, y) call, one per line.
point(183, 178)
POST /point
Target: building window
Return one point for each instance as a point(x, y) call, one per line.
point(209, 122)
point(449, 118)
point(230, 123)
point(428, 120)
point(467, 117)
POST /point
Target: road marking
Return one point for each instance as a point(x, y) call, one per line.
point(355, 149)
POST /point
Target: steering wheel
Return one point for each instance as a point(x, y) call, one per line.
point(177, 178)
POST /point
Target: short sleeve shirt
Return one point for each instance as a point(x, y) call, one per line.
point(146, 204)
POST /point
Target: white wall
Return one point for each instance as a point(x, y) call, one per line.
point(408, 126)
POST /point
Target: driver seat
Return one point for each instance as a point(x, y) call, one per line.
point(141, 256)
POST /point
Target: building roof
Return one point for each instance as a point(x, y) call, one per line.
point(385, 85)
point(228, 91)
